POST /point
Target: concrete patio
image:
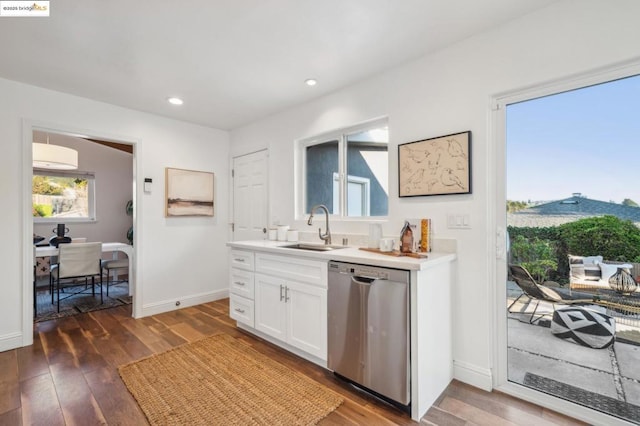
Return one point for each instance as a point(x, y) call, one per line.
point(605, 379)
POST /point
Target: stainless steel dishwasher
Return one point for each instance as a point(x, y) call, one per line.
point(368, 328)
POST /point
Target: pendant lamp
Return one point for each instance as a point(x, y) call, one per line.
point(46, 156)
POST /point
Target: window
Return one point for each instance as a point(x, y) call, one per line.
point(348, 171)
point(60, 194)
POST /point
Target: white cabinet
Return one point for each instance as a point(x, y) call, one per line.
point(292, 312)
point(271, 315)
point(283, 297)
point(307, 318)
point(241, 287)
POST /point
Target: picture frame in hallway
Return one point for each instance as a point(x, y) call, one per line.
point(188, 193)
point(435, 166)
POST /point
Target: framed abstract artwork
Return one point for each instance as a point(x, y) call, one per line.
point(188, 193)
point(436, 166)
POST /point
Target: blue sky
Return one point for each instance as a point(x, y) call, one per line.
point(586, 141)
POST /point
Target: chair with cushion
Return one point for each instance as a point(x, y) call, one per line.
point(53, 260)
point(81, 260)
point(537, 292)
point(114, 264)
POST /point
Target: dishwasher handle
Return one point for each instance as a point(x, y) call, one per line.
point(363, 280)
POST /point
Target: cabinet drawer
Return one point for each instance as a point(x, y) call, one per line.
point(241, 282)
point(242, 259)
point(241, 309)
point(294, 268)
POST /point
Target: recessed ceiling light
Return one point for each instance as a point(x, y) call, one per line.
point(311, 82)
point(175, 101)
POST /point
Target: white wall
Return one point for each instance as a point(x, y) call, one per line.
point(113, 170)
point(177, 258)
point(448, 92)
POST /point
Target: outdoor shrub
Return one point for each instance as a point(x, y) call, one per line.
point(42, 210)
point(537, 255)
point(612, 238)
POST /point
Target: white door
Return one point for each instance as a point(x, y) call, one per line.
point(250, 196)
point(270, 307)
point(307, 318)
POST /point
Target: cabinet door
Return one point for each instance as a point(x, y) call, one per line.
point(307, 318)
point(270, 309)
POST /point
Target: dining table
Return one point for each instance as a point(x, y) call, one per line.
point(114, 248)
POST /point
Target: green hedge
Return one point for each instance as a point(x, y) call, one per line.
point(612, 238)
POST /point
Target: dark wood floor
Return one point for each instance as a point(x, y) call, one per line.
point(69, 375)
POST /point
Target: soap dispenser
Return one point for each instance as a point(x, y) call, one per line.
point(406, 238)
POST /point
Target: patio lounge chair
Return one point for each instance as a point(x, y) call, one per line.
point(537, 292)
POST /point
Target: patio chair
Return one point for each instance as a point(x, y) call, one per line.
point(537, 292)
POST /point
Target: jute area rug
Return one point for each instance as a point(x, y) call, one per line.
point(222, 380)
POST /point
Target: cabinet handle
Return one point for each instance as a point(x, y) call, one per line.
point(239, 310)
point(286, 294)
point(281, 295)
point(239, 259)
point(238, 283)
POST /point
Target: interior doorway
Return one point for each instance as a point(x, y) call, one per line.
point(112, 218)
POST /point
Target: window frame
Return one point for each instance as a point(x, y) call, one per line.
point(91, 193)
point(340, 135)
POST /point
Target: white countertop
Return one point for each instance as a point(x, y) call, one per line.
point(349, 254)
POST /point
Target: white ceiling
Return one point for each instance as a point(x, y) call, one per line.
point(232, 61)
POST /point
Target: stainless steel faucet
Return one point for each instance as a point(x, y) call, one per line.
point(326, 237)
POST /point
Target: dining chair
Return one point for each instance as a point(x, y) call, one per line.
point(53, 260)
point(113, 264)
point(79, 260)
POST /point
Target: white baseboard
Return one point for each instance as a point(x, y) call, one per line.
point(185, 302)
point(473, 375)
point(11, 341)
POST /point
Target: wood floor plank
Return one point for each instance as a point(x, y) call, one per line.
point(503, 405)
point(129, 343)
point(561, 419)
point(167, 334)
point(87, 356)
point(9, 382)
point(187, 332)
point(336, 418)
point(32, 361)
point(40, 404)
point(438, 416)
point(78, 404)
point(473, 414)
point(11, 418)
point(116, 403)
point(151, 340)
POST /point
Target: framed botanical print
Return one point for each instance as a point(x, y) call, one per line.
point(436, 166)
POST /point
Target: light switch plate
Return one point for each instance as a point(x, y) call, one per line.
point(458, 221)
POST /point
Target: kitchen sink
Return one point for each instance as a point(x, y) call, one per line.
point(313, 247)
